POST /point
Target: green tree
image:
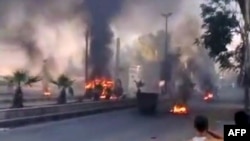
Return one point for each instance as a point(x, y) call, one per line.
point(18, 79)
point(220, 23)
point(65, 84)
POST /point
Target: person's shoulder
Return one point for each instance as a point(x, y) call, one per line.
point(214, 140)
point(209, 138)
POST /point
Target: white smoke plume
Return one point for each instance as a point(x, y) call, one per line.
point(143, 17)
point(142, 20)
point(34, 30)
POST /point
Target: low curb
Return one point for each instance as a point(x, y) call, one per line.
point(18, 122)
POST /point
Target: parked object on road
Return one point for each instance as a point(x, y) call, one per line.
point(150, 103)
point(147, 102)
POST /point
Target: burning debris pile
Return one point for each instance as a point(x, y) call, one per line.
point(100, 88)
point(103, 89)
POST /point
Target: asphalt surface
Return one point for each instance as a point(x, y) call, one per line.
point(126, 125)
point(116, 126)
point(129, 125)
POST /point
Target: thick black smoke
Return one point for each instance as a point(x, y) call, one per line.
point(101, 13)
point(25, 41)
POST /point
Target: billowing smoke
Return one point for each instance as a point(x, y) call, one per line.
point(197, 64)
point(144, 23)
point(101, 13)
point(34, 30)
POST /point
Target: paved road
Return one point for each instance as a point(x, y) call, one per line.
point(116, 126)
point(125, 125)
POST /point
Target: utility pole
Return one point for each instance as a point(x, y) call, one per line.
point(87, 34)
point(166, 16)
point(164, 61)
point(117, 58)
point(45, 74)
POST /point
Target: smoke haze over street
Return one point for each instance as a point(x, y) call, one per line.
point(33, 30)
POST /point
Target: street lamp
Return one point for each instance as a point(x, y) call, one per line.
point(87, 35)
point(166, 16)
point(164, 62)
point(117, 59)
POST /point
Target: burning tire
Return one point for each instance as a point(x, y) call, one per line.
point(208, 97)
point(179, 109)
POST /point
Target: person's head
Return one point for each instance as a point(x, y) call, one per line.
point(241, 118)
point(201, 124)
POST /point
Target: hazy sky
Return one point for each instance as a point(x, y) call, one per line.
point(54, 29)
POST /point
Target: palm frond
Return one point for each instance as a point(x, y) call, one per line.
point(20, 76)
point(32, 79)
point(64, 81)
point(71, 82)
point(9, 79)
point(54, 82)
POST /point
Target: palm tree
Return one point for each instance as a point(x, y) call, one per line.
point(18, 79)
point(65, 84)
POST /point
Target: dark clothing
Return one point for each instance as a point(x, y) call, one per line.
point(241, 118)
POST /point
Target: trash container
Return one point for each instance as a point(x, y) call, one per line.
point(147, 102)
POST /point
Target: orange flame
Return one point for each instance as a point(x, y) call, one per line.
point(105, 83)
point(179, 109)
point(46, 91)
